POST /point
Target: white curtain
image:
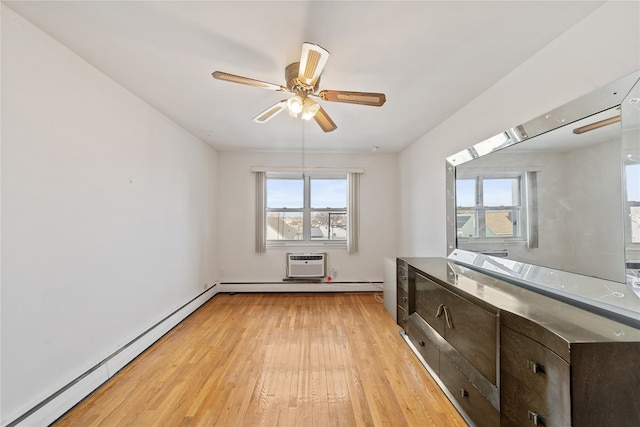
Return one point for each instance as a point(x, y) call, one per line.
point(353, 212)
point(261, 226)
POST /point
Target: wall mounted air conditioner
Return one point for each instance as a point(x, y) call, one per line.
point(306, 265)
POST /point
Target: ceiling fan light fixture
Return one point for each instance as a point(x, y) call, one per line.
point(309, 109)
point(302, 81)
point(295, 105)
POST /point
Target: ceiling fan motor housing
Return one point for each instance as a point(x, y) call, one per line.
point(295, 85)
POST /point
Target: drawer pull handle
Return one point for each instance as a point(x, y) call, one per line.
point(403, 277)
point(421, 343)
point(535, 419)
point(405, 299)
point(443, 309)
point(464, 393)
point(534, 367)
point(405, 320)
point(447, 317)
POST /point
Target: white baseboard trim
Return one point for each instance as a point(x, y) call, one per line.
point(50, 409)
point(301, 287)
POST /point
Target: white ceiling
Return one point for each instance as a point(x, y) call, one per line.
point(430, 58)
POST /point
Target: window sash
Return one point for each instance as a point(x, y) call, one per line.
point(351, 212)
point(473, 220)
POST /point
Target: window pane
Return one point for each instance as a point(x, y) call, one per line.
point(502, 223)
point(328, 193)
point(500, 192)
point(467, 224)
point(285, 193)
point(465, 192)
point(328, 225)
point(635, 224)
point(284, 226)
point(632, 173)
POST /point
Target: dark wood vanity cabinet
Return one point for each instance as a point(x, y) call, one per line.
point(458, 341)
point(507, 356)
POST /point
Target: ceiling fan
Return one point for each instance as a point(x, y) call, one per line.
point(302, 80)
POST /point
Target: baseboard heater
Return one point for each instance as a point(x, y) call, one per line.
point(306, 265)
point(302, 285)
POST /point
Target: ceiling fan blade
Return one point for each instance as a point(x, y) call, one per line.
point(325, 122)
point(247, 81)
point(362, 98)
point(270, 112)
point(312, 63)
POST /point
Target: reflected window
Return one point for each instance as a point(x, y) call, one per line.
point(490, 207)
point(632, 180)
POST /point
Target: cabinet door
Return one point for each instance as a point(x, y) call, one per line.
point(473, 332)
point(430, 300)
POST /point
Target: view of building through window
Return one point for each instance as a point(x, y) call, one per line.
point(313, 207)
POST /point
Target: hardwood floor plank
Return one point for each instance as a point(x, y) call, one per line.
point(274, 360)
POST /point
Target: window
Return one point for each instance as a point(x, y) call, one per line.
point(317, 208)
point(491, 207)
point(310, 207)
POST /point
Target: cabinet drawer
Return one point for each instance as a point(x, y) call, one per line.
point(402, 278)
point(403, 317)
point(425, 347)
point(403, 298)
point(534, 380)
point(474, 404)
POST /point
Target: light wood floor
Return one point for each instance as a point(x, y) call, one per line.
point(274, 360)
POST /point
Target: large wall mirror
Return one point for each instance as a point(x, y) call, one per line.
point(554, 204)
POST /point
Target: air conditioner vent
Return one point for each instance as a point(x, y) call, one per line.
point(306, 265)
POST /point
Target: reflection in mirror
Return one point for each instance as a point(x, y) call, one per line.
point(630, 114)
point(579, 223)
point(555, 203)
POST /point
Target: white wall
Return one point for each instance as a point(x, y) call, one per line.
point(595, 248)
point(603, 47)
point(238, 260)
point(108, 216)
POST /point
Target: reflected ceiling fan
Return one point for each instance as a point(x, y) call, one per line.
point(302, 80)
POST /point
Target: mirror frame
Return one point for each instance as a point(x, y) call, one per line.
point(604, 98)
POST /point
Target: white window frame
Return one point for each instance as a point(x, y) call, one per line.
point(524, 207)
point(352, 208)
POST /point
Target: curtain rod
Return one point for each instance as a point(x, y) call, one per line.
point(305, 169)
